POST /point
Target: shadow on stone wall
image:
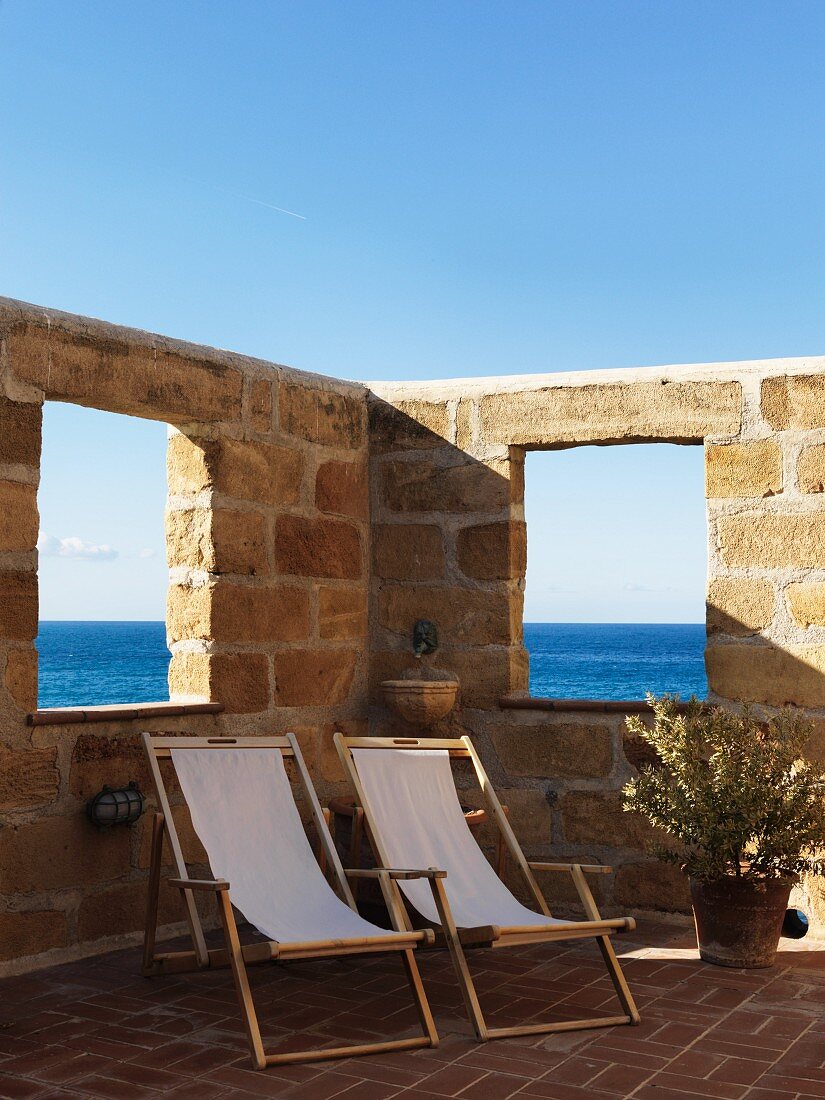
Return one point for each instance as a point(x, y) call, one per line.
point(449, 545)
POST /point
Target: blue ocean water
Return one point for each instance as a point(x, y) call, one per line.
point(616, 660)
point(83, 664)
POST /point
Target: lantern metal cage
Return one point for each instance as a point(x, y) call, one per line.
point(120, 806)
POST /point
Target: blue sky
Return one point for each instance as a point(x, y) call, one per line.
point(484, 189)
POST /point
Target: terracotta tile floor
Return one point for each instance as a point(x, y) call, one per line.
point(97, 1029)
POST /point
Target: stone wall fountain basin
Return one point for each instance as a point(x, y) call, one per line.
point(420, 702)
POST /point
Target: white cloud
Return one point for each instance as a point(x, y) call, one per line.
point(73, 547)
point(146, 553)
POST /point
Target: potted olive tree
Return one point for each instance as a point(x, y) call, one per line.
point(745, 813)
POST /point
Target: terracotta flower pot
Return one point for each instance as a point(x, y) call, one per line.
point(739, 920)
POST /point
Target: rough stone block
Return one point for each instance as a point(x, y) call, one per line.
point(342, 488)
point(408, 425)
point(19, 432)
point(652, 885)
point(493, 551)
point(463, 616)
point(794, 401)
point(767, 674)
point(636, 412)
point(408, 552)
point(529, 815)
point(260, 405)
point(743, 469)
point(28, 778)
point(98, 759)
point(317, 548)
point(314, 678)
point(188, 467)
point(342, 613)
point(597, 817)
point(21, 677)
point(121, 909)
point(188, 612)
point(57, 852)
point(242, 613)
point(425, 486)
point(811, 469)
point(320, 416)
point(238, 680)
point(238, 613)
point(219, 541)
point(775, 540)
point(238, 542)
point(18, 516)
point(188, 538)
point(31, 933)
point(124, 377)
point(739, 606)
point(18, 605)
point(262, 472)
point(807, 603)
point(464, 426)
point(555, 750)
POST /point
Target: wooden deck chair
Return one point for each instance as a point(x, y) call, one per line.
point(411, 807)
point(244, 812)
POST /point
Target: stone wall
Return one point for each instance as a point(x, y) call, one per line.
point(449, 544)
point(268, 544)
point(310, 523)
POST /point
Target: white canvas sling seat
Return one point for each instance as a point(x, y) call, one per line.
point(243, 811)
point(411, 805)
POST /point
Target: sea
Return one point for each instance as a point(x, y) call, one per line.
point(91, 663)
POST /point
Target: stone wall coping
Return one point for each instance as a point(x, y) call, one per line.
point(118, 712)
point(14, 312)
point(450, 388)
point(602, 706)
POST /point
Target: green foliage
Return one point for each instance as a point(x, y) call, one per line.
point(733, 791)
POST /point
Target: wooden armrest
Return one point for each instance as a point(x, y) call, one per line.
point(199, 884)
point(588, 868)
point(393, 872)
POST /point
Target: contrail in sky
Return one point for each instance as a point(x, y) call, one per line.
point(248, 198)
point(268, 205)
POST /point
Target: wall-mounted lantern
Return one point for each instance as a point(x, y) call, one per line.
point(122, 806)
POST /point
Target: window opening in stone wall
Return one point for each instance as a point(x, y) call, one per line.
point(617, 562)
point(102, 559)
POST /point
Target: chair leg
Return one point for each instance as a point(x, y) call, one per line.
point(605, 946)
point(153, 893)
point(618, 979)
point(462, 970)
point(419, 996)
point(248, 1014)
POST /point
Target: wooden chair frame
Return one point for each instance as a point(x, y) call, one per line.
point(595, 927)
point(403, 940)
